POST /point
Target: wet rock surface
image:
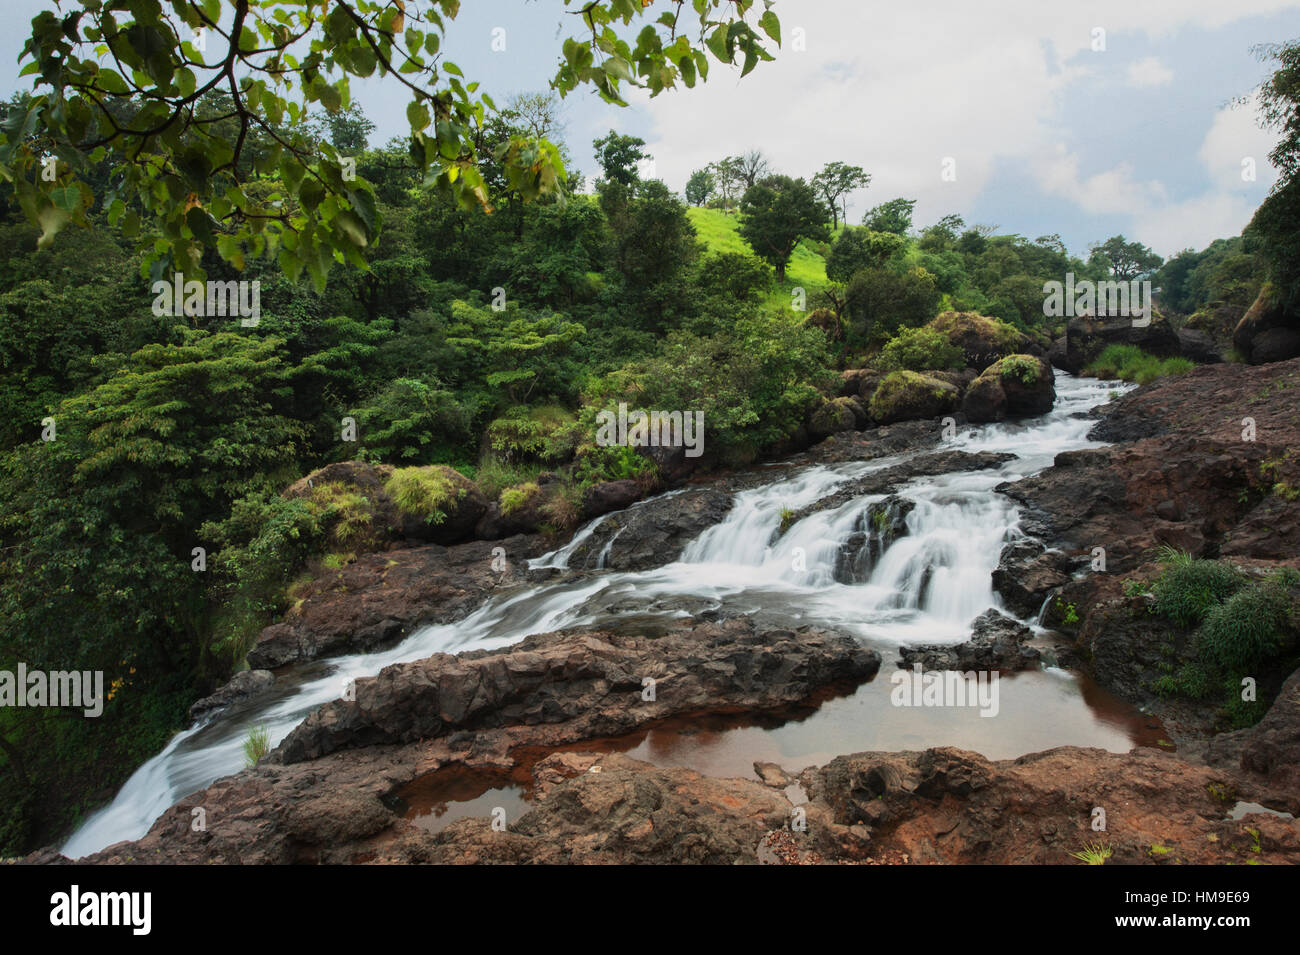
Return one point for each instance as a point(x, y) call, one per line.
point(381, 598)
point(1202, 464)
point(997, 643)
point(326, 792)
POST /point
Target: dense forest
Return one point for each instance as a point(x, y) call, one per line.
point(144, 530)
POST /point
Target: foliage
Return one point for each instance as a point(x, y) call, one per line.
point(893, 216)
point(919, 349)
point(1245, 628)
point(1188, 587)
point(1131, 363)
point(775, 214)
point(423, 492)
point(880, 301)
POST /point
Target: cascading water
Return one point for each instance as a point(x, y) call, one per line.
point(925, 586)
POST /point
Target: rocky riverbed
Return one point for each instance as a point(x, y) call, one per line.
point(1181, 471)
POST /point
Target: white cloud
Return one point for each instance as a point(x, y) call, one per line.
point(896, 89)
point(1149, 72)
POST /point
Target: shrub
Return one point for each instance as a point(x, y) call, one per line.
point(1022, 368)
point(421, 492)
point(495, 474)
point(1189, 588)
point(1246, 628)
point(513, 498)
point(919, 349)
point(545, 433)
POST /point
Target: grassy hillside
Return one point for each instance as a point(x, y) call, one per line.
point(717, 230)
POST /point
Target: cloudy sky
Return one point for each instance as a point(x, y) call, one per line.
point(1045, 132)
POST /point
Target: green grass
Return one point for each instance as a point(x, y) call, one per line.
point(1189, 587)
point(1131, 363)
point(1093, 853)
point(257, 745)
point(806, 269)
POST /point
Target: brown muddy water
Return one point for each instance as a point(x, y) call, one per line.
point(1038, 710)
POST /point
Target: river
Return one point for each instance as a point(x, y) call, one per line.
point(925, 587)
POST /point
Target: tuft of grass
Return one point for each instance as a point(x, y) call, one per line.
point(1189, 587)
point(1130, 363)
point(257, 745)
point(1093, 853)
point(513, 498)
point(421, 492)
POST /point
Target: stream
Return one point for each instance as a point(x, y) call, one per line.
point(925, 587)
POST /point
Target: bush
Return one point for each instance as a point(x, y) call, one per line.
point(421, 492)
point(1246, 628)
point(1022, 368)
point(919, 349)
point(1189, 588)
point(879, 301)
point(544, 433)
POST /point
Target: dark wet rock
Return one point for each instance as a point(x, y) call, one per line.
point(380, 598)
point(591, 681)
point(1268, 332)
point(997, 643)
point(1088, 337)
point(880, 525)
point(1026, 575)
point(242, 685)
point(654, 532)
point(1198, 346)
point(609, 496)
point(1268, 754)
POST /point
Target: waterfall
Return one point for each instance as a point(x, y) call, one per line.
point(925, 585)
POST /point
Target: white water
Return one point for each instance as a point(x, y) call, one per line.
point(927, 586)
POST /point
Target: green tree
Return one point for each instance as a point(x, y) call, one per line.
point(1277, 220)
point(858, 249)
point(699, 188)
point(124, 83)
point(1123, 259)
point(618, 157)
point(778, 212)
point(837, 180)
point(893, 216)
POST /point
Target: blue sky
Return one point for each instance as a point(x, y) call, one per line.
point(1046, 133)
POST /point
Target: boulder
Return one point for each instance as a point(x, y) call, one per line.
point(1267, 332)
point(1086, 337)
point(609, 496)
point(1014, 386)
point(242, 685)
point(909, 395)
point(833, 416)
point(436, 503)
point(983, 340)
point(1199, 347)
point(997, 643)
